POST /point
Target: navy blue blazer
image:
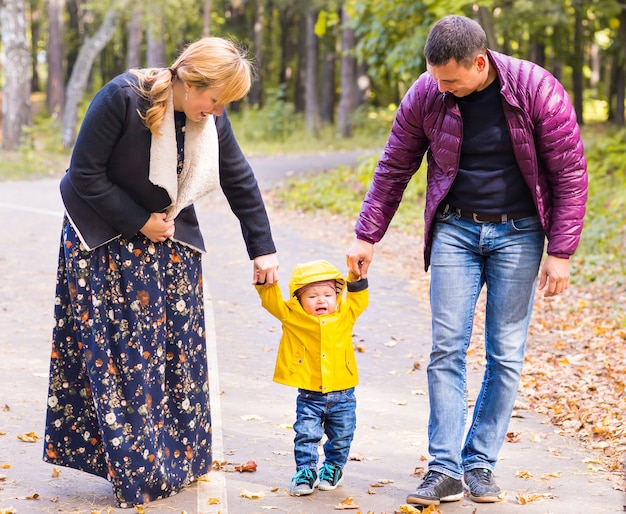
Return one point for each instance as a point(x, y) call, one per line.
point(106, 191)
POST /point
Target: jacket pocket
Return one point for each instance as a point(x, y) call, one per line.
point(297, 359)
point(351, 362)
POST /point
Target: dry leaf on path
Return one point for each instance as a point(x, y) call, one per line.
point(244, 493)
point(28, 437)
point(248, 466)
point(513, 437)
point(525, 498)
point(347, 504)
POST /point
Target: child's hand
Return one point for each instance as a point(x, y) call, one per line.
point(352, 277)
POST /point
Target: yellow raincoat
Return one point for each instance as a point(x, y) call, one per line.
point(316, 352)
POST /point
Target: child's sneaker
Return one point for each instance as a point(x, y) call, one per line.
point(303, 482)
point(330, 477)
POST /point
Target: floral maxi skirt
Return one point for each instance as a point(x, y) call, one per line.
point(128, 395)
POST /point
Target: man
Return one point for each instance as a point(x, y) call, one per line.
point(505, 170)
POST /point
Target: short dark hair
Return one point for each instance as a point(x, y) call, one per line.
point(454, 37)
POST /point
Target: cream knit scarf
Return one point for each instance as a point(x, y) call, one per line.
point(200, 173)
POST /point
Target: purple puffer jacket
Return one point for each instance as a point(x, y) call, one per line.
point(545, 137)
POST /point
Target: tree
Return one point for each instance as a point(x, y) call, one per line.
point(55, 94)
point(77, 83)
point(311, 102)
point(135, 37)
point(16, 108)
point(348, 98)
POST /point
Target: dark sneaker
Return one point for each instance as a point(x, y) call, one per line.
point(436, 487)
point(482, 487)
point(303, 482)
point(330, 477)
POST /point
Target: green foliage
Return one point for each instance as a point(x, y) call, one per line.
point(604, 236)
point(40, 154)
point(277, 128)
point(276, 121)
point(341, 191)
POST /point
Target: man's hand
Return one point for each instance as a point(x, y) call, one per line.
point(359, 257)
point(555, 275)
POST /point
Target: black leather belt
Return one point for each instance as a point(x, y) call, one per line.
point(488, 218)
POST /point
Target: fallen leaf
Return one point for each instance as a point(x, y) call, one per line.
point(139, 509)
point(371, 490)
point(525, 498)
point(554, 474)
point(356, 456)
point(523, 474)
point(251, 417)
point(347, 504)
point(55, 473)
point(513, 437)
point(419, 472)
point(248, 466)
point(214, 501)
point(244, 493)
point(385, 481)
point(28, 437)
point(286, 426)
point(400, 402)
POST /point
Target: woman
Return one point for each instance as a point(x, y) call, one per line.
point(128, 395)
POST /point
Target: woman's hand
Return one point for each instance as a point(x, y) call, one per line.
point(265, 270)
point(158, 228)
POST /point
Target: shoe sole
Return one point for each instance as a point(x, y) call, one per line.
point(485, 499)
point(414, 500)
point(305, 492)
point(329, 487)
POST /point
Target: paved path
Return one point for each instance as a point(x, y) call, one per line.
point(251, 413)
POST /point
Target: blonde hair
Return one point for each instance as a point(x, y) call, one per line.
point(209, 62)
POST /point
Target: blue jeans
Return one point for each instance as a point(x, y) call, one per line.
point(466, 255)
point(333, 414)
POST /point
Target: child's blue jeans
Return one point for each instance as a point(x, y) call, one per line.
point(333, 414)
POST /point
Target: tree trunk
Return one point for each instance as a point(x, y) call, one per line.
point(16, 108)
point(299, 94)
point(485, 18)
point(35, 34)
point(311, 103)
point(620, 62)
point(348, 99)
point(156, 47)
point(327, 105)
point(257, 87)
point(135, 37)
point(55, 94)
point(577, 65)
point(77, 82)
point(206, 26)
